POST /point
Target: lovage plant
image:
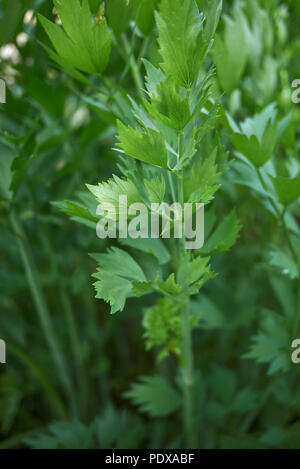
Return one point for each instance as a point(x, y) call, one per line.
point(171, 153)
point(135, 118)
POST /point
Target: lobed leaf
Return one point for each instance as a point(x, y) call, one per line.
point(225, 235)
point(82, 44)
point(288, 189)
point(149, 147)
point(154, 396)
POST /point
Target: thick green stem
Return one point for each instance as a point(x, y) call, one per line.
point(187, 358)
point(170, 177)
point(188, 380)
point(41, 307)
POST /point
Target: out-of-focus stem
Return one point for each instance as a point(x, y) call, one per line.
point(41, 308)
point(135, 70)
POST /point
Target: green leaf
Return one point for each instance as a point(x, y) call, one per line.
point(257, 152)
point(200, 182)
point(69, 68)
point(119, 262)
point(168, 106)
point(163, 327)
point(142, 288)
point(153, 246)
point(212, 19)
point(189, 151)
point(11, 18)
point(78, 212)
point(149, 147)
point(154, 396)
point(109, 192)
point(115, 274)
point(62, 435)
point(288, 189)
point(169, 286)
point(156, 189)
point(118, 13)
point(112, 289)
point(94, 5)
point(82, 43)
point(193, 271)
point(181, 42)
point(257, 136)
point(144, 14)
point(154, 76)
point(225, 235)
point(244, 173)
point(284, 291)
point(272, 344)
point(119, 429)
point(231, 50)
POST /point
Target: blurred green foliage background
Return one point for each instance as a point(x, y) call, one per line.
point(57, 133)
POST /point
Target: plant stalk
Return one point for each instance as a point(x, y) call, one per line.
point(187, 357)
point(41, 308)
point(41, 377)
point(281, 217)
point(288, 237)
point(67, 309)
point(135, 70)
point(188, 380)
